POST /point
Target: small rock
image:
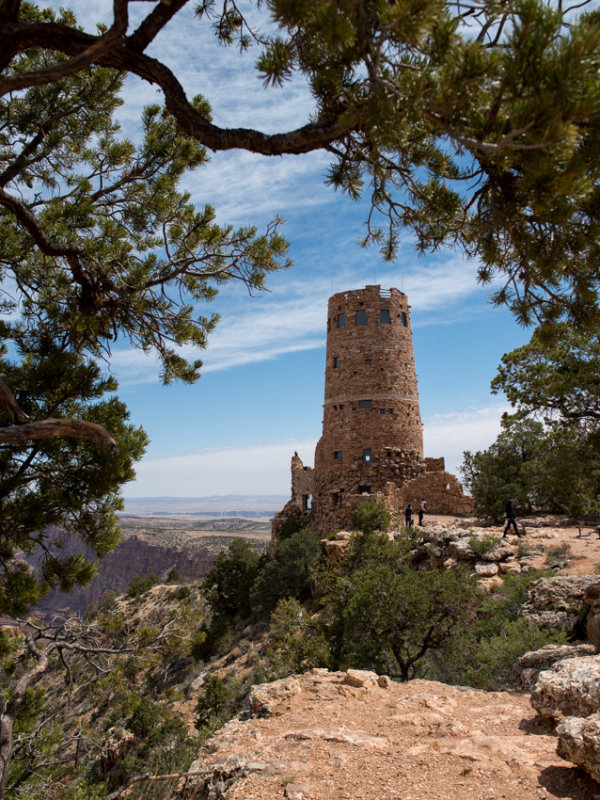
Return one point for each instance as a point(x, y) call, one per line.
point(486, 570)
point(360, 678)
point(384, 681)
point(296, 791)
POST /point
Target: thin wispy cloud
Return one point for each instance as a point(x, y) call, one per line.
point(292, 317)
point(260, 468)
point(451, 434)
point(253, 469)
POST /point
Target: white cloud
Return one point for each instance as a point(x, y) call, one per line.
point(265, 468)
point(450, 434)
point(252, 469)
point(292, 317)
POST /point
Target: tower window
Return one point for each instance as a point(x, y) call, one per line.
point(361, 317)
point(341, 406)
point(364, 489)
point(338, 455)
point(403, 318)
point(367, 360)
point(382, 410)
point(365, 404)
point(341, 321)
point(384, 316)
point(390, 410)
point(367, 454)
point(336, 362)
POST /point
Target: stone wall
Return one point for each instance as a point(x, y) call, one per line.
point(443, 492)
point(371, 399)
point(300, 504)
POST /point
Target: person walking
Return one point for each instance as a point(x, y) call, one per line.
point(408, 521)
point(511, 517)
point(422, 510)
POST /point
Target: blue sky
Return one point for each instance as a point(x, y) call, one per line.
point(260, 396)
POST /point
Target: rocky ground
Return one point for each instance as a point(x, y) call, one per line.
point(343, 736)
point(541, 536)
point(349, 736)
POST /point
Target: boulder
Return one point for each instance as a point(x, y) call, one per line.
point(509, 567)
point(461, 550)
point(266, 699)
point(360, 678)
point(335, 550)
point(486, 569)
point(558, 602)
point(499, 552)
point(533, 662)
point(570, 688)
point(579, 742)
point(592, 625)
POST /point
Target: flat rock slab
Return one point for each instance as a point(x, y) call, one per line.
point(327, 740)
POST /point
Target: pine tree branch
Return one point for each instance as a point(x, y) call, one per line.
point(29, 221)
point(19, 435)
point(62, 69)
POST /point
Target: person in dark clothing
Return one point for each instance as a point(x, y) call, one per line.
point(408, 521)
point(511, 517)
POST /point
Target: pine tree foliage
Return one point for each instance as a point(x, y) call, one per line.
point(473, 123)
point(98, 245)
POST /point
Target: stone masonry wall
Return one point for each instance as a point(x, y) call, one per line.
point(372, 442)
point(371, 398)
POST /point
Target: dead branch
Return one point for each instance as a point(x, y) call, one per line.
point(59, 428)
point(9, 405)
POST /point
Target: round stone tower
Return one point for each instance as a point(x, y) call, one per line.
point(372, 430)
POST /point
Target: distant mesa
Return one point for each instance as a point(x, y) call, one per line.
point(231, 505)
point(372, 441)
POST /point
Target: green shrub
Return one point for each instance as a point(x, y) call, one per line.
point(289, 573)
point(297, 642)
point(494, 663)
point(181, 593)
point(230, 579)
point(173, 576)
point(481, 545)
point(558, 553)
point(370, 516)
point(144, 718)
point(139, 585)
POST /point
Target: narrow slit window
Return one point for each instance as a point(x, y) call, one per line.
point(384, 316)
point(361, 317)
point(403, 319)
point(341, 321)
point(367, 454)
point(336, 362)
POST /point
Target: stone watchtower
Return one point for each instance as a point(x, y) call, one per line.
point(372, 442)
point(372, 431)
